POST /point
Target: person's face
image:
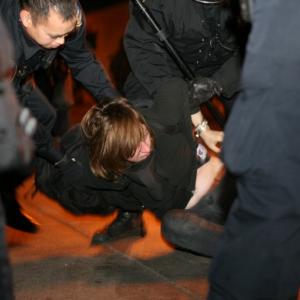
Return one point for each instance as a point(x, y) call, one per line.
point(49, 33)
point(143, 151)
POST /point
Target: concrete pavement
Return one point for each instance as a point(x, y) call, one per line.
point(58, 262)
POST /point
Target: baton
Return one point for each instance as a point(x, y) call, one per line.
point(187, 72)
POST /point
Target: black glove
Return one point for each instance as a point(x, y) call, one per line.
point(202, 89)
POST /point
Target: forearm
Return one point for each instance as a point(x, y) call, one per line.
point(169, 104)
point(94, 79)
point(205, 179)
point(197, 118)
point(85, 67)
point(147, 57)
point(212, 138)
point(228, 76)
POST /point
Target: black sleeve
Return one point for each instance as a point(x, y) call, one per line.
point(84, 66)
point(170, 103)
point(147, 57)
point(148, 185)
point(228, 76)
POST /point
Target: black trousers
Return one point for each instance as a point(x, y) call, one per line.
point(259, 253)
point(6, 287)
point(45, 114)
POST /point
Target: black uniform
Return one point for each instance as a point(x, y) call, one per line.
point(30, 56)
point(6, 286)
point(259, 253)
point(10, 155)
point(163, 181)
point(202, 34)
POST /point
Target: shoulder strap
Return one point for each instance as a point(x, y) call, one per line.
point(40, 59)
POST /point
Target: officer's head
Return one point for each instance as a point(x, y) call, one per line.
point(49, 22)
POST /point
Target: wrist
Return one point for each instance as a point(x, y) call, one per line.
point(201, 127)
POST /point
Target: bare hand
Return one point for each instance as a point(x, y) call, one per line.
point(212, 138)
point(205, 179)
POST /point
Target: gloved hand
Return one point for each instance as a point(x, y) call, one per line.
point(201, 89)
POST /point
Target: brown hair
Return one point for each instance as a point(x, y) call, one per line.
point(114, 130)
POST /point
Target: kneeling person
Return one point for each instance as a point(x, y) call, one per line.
point(140, 159)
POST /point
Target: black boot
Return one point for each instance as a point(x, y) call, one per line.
point(186, 230)
point(15, 217)
point(198, 229)
point(127, 224)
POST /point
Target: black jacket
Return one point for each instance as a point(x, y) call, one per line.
point(163, 181)
point(166, 179)
point(202, 35)
point(29, 56)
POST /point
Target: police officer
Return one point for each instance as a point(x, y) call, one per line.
point(202, 33)
point(6, 290)
point(259, 253)
point(198, 30)
point(16, 147)
point(41, 30)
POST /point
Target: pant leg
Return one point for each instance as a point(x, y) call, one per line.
point(45, 114)
point(6, 286)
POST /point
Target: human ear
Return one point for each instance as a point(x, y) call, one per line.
point(25, 17)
